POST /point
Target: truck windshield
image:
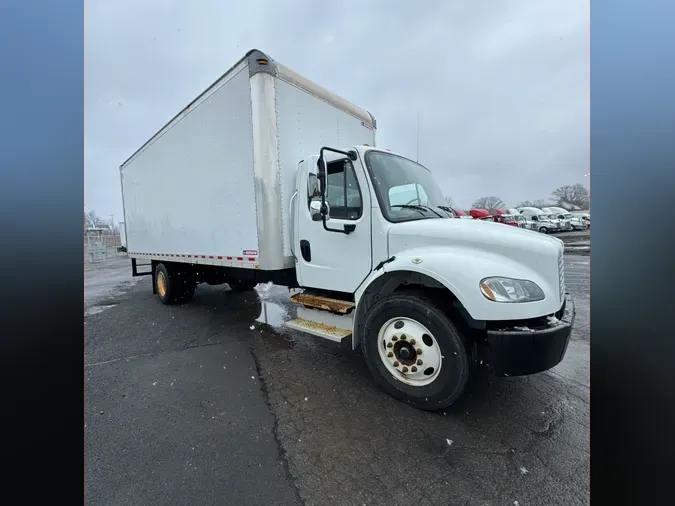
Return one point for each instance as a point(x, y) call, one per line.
point(405, 189)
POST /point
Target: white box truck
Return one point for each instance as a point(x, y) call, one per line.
point(268, 177)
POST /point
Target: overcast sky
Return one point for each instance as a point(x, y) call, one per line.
point(501, 87)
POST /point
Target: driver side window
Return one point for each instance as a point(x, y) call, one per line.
point(343, 194)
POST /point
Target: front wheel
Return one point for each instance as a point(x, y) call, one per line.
point(414, 352)
point(543, 230)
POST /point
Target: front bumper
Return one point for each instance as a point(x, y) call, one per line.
point(521, 350)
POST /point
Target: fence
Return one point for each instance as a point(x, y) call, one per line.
point(101, 247)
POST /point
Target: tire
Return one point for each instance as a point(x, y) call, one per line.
point(543, 230)
point(444, 385)
point(171, 289)
point(242, 286)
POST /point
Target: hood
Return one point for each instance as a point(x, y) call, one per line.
point(524, 246)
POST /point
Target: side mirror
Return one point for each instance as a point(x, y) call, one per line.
point(313, 189)
point(321, 174)
point(315, 210)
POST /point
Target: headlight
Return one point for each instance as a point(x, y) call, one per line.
point(511, 290)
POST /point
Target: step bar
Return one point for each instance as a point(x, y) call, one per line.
point(331, 333)
point(338, 306)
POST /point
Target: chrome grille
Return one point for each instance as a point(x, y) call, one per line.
point(561, 274)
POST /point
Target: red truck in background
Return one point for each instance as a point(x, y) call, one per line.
point(502, 216)
point(480, 214)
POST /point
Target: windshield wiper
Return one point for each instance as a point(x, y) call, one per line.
point(448, 209)
point(418, 208)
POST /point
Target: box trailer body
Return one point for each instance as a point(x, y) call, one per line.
point(210, 186)
point(267, 176)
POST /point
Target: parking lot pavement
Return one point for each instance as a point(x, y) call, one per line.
point(283, 417)
point(105, 280)
point(175, 409)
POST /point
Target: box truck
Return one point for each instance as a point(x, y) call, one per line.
point(268, 177)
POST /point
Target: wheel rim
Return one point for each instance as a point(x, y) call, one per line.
point(409, 351)
point(161, 283)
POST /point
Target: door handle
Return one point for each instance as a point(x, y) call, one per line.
point(305, 250)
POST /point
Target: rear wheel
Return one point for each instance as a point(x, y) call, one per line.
point(415, 352)
point(171, 287)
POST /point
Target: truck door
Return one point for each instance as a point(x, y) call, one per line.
point(331, 259)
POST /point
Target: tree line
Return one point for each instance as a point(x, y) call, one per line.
point(575, 194)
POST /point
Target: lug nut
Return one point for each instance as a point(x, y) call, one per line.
point(394, 338)
point(419, 362)
point(405, 369)
point(419, 351)
point(389, 345)
point(395, 364)
point(412, 341)
point(403, 337)
point(413, 369)
point(390, 354)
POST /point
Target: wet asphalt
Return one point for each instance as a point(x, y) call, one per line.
point(216, 403)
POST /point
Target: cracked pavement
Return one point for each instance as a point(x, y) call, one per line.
point(188, 404)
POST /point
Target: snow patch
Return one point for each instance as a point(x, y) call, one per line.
point(97, 309)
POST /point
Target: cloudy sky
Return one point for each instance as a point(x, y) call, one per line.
point(501, 87)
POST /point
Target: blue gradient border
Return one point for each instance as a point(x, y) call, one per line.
point(632, 195)
point(41, 257)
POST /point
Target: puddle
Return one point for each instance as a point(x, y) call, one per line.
point(97, 309)
point(272, 314)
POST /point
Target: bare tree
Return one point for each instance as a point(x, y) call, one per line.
point(575, 194)
point(449, 202)
point(92, 220)
point(489, 203)
point(532, 203)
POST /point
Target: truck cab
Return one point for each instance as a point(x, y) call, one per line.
point(560, 217)
point(481, 214)
point(571, 222)
point(416, 291)
point(502, 216)
point(541, 221)
point(583, 216)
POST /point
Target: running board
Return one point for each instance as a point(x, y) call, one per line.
point(319, 329)
point(309, 301)
point(316, 322)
